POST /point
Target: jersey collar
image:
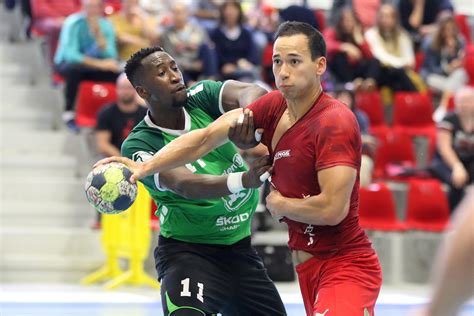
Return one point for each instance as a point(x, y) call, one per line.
point(175, 132)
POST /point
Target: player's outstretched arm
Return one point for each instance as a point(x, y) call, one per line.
point(184, 149)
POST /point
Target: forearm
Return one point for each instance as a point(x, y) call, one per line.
point(108, 150)
point(454, 282)
point(315, 210)
point(203, 187)
point(449, 155)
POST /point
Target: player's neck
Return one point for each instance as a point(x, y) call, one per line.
point(298, 107)
point(168, 118)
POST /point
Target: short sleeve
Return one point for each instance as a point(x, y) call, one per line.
point(207, 95)
point(140, 151)
point(448, 123)
point(104, 119)
point(338, 143)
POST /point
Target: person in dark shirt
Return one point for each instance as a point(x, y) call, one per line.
point(116, 120)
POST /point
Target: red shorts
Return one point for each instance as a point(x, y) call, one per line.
point(346, 285)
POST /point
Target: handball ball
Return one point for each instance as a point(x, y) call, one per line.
point(108, 188)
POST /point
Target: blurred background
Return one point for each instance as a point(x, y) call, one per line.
point(405, 67)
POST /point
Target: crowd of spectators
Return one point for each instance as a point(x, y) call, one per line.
point(373, 46)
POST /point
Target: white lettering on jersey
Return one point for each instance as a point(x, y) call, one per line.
point(282, 154)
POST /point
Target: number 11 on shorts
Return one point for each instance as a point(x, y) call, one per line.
point(186, 292)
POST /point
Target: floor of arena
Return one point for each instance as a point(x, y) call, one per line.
point(71, 300)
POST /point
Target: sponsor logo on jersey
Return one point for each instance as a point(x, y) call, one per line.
point(323, 314)
point(142, 156)
point(231, 221)
point(282, 154)
point(237, 162)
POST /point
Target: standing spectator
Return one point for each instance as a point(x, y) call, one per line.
point(48, 18)
point(236, 51)
point(454, 159)
point(86, 51)
point(418, 17)
point(442, 68)
point(349, 55)
point(115, 121)
point(188, 43)
point(392, 46)
point(133, 29)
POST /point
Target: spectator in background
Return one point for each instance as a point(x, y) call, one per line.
point(48, 18)
point(207, 13)
point(368, 141)
point(454, 159)
point(392, 46)
point(364, 10)
point(133, 29)
point(86, 51)
point(349, 57)
point(236, 51)
point(188, 43)
point(418, 17)
point(299, 14)
point(442, 68)
point(115, 121)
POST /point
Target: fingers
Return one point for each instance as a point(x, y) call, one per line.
point(250, 127)
point(108, 160)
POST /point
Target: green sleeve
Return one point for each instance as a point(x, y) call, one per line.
point(207, 95)
point(140, 151)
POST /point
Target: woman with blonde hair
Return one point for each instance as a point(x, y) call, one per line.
point(392, 46)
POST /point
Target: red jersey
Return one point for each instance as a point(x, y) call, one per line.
point(326, 136)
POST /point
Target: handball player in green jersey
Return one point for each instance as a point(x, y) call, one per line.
point(204, 259)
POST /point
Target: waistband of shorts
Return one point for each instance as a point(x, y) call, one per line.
point(245, 242)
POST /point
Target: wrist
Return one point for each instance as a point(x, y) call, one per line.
point(235, 182)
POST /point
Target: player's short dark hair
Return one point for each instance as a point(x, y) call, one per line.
point(134, 63)
point(316, 42)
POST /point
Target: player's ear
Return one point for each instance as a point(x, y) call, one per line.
point(321, 65)
point(142, 92)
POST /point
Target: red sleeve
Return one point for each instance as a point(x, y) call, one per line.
point(338, 142)
point(262, 107)
point(333, 45)
point(365, 48)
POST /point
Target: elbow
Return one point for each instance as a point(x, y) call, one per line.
point(334, 216)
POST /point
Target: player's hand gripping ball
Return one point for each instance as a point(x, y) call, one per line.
point(108, 188)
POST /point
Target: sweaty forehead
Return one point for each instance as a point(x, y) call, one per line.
point(295, 44)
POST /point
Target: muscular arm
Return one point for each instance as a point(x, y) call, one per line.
point(238, 94)
point(329, 207)
point(189, 147)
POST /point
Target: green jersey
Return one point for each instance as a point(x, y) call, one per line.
point(224, 220)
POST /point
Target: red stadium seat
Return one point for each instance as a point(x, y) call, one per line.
point(413, 112)
point(371, 104)
point(394, 149)
point(463, 25)
point(319, 14)
point(91, 97)
point(469, 64)
point(427, 206)
point(377, 209)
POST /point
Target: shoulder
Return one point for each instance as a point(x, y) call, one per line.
point(449, 122)
point(73, 19)
point(108, 109)
point(334, 112)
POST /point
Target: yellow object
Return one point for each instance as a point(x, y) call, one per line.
point(126, 235)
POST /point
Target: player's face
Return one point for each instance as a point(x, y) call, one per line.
point(296, 75)
point(163, 82)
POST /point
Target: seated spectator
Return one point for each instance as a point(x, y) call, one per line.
point(418, 17)
point(392, 46)
point(207, 13)
point(368, 141)
point(236, 52)
point(115, 121)
point(364, 10)
point(48, 18)
point(442, 68)
point(454, 159)
point(188, 43)
point(300, 14)
point(133, 29)
point(349, 57)
point(86, 51)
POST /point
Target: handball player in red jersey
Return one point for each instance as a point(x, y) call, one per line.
point(315, 143)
